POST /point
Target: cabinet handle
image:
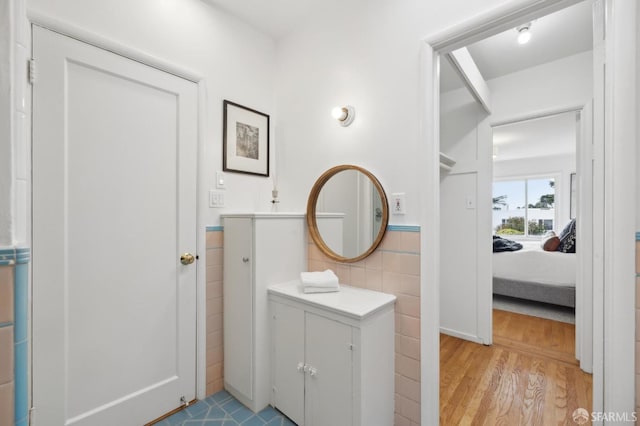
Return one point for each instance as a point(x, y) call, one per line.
point(301, 367)
point(313, 372)
point(245, 259)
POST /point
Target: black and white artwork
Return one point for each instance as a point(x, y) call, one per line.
point(245, 140)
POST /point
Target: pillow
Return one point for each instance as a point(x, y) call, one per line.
point(568, 238)
point(550, 241)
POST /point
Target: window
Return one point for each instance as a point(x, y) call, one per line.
point(529, 201)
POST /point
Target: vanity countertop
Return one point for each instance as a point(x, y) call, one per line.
point(354, 302)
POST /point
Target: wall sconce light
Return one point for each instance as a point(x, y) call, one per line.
point(345, 114)
point(524, 33)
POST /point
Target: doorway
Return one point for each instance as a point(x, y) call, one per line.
point(114, 207)
point(608, 266)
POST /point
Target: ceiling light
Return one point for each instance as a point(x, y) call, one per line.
point(345, 115)
point(524, 33)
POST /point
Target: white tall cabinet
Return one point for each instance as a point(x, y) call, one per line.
point(260, 249)
point(333, 356)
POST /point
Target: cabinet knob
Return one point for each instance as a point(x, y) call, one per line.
point(313, 372)
point(301, 367)
point(245, 259)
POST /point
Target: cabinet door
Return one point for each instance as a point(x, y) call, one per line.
point(238, 305)
point(288, 356)
point(329, 385)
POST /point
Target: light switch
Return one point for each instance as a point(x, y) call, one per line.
point(219, 180)
point(470, 202)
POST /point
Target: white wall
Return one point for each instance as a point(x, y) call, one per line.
point(367, 56)
point(565, 83)
point(237, 62)
point(560, 167)
point(638, 126)
point(6, 165)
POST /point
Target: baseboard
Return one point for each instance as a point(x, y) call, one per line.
point(463, 336)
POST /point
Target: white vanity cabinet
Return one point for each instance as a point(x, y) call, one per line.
point(260, 249)
point(333, 355)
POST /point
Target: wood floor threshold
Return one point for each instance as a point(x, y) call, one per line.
point(532, 350)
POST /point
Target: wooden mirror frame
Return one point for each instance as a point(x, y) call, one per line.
point(313, 224)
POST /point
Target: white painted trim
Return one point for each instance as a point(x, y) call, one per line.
point(65, 28)
point(506, 16)
point(598, 206)
point(534, 115)
point(466, 67)
point(584, 242)
point(463, 336)
point(429, 202)
point(619, 207)
point(201, 289)
point(484, 231)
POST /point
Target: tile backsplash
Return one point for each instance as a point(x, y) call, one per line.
point(214, 310)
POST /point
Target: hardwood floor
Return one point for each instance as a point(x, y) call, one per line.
point(529, 376)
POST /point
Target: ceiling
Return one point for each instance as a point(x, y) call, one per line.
point(542, 137)
point(278, 18)
point(558, 35)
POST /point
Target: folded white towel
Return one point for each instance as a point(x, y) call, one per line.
point(324, 279)
point(308, 289)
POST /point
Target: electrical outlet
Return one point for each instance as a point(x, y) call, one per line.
point(398, 203)
point(216, 199)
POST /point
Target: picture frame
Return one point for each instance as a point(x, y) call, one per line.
point(572, 191)
point(245, 140)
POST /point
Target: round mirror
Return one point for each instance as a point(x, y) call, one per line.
point(347, 213)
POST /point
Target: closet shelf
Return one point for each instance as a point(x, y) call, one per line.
point(446, 162)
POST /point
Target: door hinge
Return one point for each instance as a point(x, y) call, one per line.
point(351, 346)
point(32, 71)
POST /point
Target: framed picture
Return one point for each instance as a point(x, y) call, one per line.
point(572, 205)
point(245, 142)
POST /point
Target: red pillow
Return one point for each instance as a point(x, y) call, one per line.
point(550, 241)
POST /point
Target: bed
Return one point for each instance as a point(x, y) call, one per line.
point(534, 274)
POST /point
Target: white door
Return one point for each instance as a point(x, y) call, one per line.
point(114, 206)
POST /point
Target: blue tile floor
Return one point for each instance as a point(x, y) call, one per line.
point(222, 409)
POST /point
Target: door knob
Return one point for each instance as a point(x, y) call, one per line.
point(187, 259)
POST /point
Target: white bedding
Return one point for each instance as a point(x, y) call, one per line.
point(536, 265)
